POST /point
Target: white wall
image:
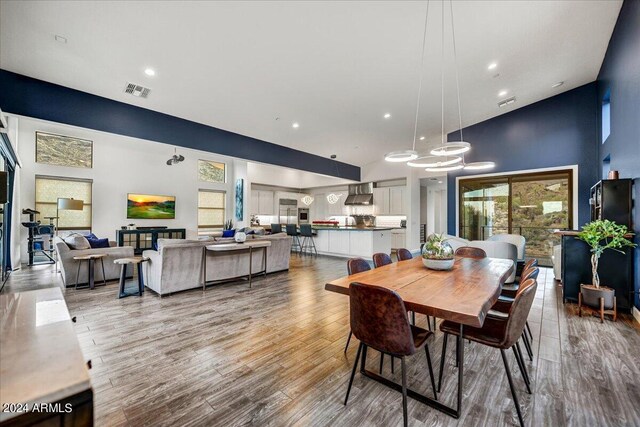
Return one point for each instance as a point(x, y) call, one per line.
point(124, 165)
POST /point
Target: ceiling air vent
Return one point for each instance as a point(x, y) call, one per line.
point(507, 101)
point(137, 90)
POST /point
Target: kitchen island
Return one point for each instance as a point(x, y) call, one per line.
point(351, 242)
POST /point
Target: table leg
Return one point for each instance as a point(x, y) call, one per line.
point(250, 262)
point(140, 279)
point(91, 276)
point(104, 277)
point(460, 350)
point(78, 273)
point(264, 261)
point(204, 268)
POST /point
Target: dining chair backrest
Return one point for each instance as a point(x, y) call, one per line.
point(403, 254)
point(379, 319)
point(357, 265)
point(515, 239)
point(530, 273)
point(519, 312)
point(533, 262)
point(306, 230)
point(470, 252)
point(380, 259)
point(276, 228)
point(292, 230)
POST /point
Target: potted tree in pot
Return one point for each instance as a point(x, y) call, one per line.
point(601, 235)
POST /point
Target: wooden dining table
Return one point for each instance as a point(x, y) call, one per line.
point(463, 295)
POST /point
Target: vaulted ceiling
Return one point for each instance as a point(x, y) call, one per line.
point(335, 68)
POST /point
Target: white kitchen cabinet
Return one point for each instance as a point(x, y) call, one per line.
point(318, 208)
point(398, 238)
point(255, 201)
point(337, 208)
point(381, 200)
point(396, 200)
point(339, 242)
point(322, 240)
point(266, 203)
point(359, 243)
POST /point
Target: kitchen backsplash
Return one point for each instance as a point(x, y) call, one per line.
point(389, 220)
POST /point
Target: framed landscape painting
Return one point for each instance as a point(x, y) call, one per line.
point(146, 206)
point(62, 150)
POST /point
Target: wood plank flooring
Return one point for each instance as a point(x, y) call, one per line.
point(273, 355)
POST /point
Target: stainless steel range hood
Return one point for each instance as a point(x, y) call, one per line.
point(360, 195)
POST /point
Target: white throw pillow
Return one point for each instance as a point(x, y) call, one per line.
point(77, 241)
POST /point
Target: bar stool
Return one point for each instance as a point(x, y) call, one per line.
point(137, 260)
point(306, 232)
point(292, 230)
point(276, 228)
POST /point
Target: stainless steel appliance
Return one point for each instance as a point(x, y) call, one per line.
point(288, 211)
point(360, 195)
point(303, 216)
point(364, 220)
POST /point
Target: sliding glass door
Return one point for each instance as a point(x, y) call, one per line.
point(532, 205)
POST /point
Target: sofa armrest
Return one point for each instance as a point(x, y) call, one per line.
point(117, 251)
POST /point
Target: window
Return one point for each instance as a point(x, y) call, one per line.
point(50, 189)
point(606, 116)
point(63, 150)
point(211, 208)
point(211, 171)
point(532, 205)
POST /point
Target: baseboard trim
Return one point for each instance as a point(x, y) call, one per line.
point(636, 314)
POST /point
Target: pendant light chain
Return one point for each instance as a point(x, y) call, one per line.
point(424, 42)
point(455, 61)
point(442, 81)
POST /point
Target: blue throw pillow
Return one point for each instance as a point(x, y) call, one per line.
point(98, 243)
point(90, 236)
point(228, 233)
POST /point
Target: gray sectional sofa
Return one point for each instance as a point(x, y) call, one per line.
point(177, 264)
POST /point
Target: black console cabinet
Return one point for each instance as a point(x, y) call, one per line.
point(147, 238)
point(615, 271)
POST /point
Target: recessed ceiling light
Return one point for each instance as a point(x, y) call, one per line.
point(555, 85)
point(295, 125)
point(333, 156)
point(150, 72)
point(387, 116)
point(61, 39)
point(492, 66)
point(422, 138)
point(439, 182)
point(502, 93)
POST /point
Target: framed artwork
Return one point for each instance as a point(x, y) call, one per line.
point(146, 206)
point(239, 199)
point(62, 150)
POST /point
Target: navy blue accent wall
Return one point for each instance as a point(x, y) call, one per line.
point(557, 131)
point(620, 76)
point(36, 98)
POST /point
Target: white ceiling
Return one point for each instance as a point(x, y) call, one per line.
point(334, 67)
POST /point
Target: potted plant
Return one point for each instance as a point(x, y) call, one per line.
point(437, 254)
point(601, 235)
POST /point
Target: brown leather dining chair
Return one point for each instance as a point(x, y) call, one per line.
point(355, 265)
point(498, 333)
point(380, 259)
point(379, 320)
point(404, 254)
point(470, 252)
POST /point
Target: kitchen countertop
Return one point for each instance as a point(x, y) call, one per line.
point(343, 228)
point(41, 357)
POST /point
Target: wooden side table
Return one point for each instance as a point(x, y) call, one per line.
point(91, 264)
point(137, 260)
point(249, 246)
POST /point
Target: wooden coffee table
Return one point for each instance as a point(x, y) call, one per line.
point(91, 264)
point(249, 245)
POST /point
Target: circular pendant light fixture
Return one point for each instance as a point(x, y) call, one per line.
point(451, 148)
point(401, 156)
point(445, 168)
point(479, 165)
point(434, 161)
